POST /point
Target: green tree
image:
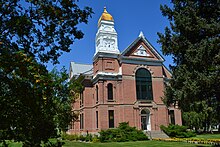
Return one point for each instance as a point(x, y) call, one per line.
point(193, 41)
point(33, 101)
point(43, 29)
point(64, 94)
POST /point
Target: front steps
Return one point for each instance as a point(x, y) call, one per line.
point(156, 134)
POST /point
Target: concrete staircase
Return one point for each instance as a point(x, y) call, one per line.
point(156, 134)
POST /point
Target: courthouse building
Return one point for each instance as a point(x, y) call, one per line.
point(122, 86)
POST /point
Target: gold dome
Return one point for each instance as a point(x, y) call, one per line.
point(105, 16)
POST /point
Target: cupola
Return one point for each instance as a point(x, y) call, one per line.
point(105, 16)
point(106, 36)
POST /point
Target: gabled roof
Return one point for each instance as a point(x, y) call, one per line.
point(77, 69)
point(147, 43)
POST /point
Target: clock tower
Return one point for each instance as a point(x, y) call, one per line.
point(106, 66)
point(106, 36)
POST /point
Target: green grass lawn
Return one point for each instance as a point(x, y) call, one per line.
point(122, 144)
point(208, 136)
point(131, 144)
point(134, 144)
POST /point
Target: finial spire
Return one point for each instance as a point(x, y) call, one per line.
point(141, 34)
point(105, 9)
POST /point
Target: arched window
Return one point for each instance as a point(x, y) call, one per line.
point(110, 91)
point(143, 84)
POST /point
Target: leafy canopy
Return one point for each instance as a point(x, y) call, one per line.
point(193, 41)
point(35, 103)
point(42, 28)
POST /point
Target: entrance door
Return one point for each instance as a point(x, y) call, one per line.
point(145, 120)
point(143, 123)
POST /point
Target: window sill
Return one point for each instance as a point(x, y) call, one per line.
point(145, 101)
point(111, 100)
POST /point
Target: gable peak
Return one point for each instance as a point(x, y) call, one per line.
point(141, 34)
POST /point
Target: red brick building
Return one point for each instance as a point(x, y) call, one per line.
point(122, 86)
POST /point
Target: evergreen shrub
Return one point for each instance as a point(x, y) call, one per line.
point(70, 137)
point(121, 134)
point(177, 131)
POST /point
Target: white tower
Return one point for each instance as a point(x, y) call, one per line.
point(106, 37)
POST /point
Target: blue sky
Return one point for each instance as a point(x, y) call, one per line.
point(130, 18)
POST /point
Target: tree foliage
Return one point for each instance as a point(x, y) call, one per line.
point(34, 106)
point(42, 28)
point(33, 101)
point(193, 41)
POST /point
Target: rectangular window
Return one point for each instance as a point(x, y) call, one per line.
point(172, 117)
point(81, 121)
point(97, 119)
point(111, 118)
point(110, 91)
point(97, 94)
point(81, 99)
